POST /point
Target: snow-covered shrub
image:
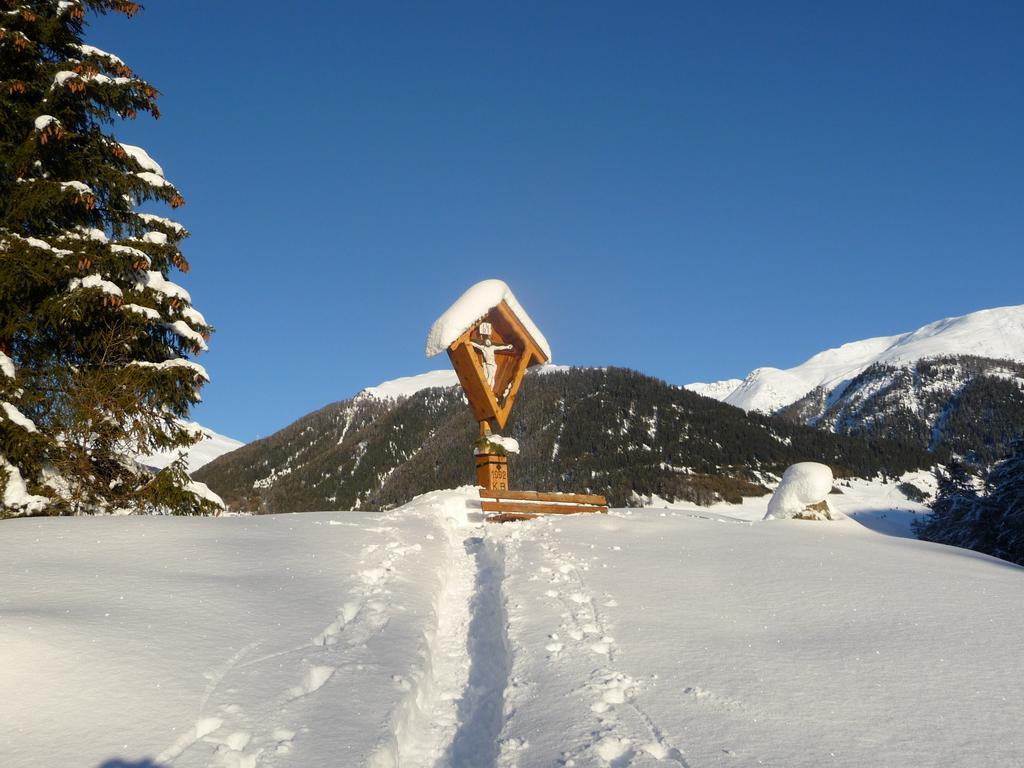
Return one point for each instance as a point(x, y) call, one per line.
point(802, 492)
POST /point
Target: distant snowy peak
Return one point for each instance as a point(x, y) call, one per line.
point(396, 389)
point(716, 390)
point(410, 385)
point(206, 450)
point(993, 333)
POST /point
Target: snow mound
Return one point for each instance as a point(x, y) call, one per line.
point(473, 305)
point(802, 484)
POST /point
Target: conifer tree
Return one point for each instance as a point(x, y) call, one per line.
point(94, 336)
point(955, 508)
point(992, 522)
point(1006, 504)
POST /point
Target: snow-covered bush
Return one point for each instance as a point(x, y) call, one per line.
point(802, 493)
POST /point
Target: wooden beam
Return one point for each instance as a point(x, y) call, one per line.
point(471, 377)
point(517, 379)
point(539, 508)
point(510, 317)
point(570, 498)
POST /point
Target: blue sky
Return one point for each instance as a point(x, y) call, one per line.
point(688, 190)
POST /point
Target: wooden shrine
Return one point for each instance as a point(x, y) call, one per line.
point(491, 343)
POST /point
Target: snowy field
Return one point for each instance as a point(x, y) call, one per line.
point(421, 637)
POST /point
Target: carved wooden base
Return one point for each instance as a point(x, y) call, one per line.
point(492, 471)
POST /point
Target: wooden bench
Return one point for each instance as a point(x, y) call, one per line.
point(507, 506)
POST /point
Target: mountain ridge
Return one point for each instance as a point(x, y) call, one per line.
point(610, 431)
point(996, 333)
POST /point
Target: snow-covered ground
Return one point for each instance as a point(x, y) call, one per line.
point(423, 637)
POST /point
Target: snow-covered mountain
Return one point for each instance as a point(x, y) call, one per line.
point(405, 386)
point(202, 453)
point(613, 431)
point(989, 333)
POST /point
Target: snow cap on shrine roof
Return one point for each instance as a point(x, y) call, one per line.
point(471, 307)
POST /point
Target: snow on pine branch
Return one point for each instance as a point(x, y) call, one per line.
point(162, 221)
point(13, 414)
point(178, 362)
point(6, 366)
point(141, 156)
point(158, 283)
point(91, 50)
point(147, 312)
point(202, 490)
point(35, 242)
point(62, 78)
point(194, 316)
point(154, 180)
point(182, 329)
point(94, 281)
point(16, 495)
point(78, 186)
point(127, 250)
point(90, 233)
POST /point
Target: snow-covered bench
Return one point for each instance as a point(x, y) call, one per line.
point(507, 506)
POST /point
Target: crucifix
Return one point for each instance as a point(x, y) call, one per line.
point(487, 350)
point(491, 341)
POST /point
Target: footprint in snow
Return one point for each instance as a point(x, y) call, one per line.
point(614, 750)
point(200, 730)
point(283, 738)
point(313, 680)
point(231, 752)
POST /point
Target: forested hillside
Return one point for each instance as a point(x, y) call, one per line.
point(610, 431)
point(969, 406)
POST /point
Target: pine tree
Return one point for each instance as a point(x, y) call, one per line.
point(94, 336)
point(1005, 504)
point(954, 511)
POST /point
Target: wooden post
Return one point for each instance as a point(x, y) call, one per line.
point(492, 471)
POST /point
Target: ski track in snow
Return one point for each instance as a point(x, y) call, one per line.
point(459, 696)
point(261, 734)
point(623, 731)
point(453, 711)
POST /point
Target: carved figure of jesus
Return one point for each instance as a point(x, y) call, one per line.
point(490, 365)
